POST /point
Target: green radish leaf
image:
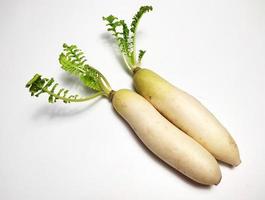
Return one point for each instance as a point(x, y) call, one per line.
point(125, 37)
point(73, 61)
point(140, 55)
point(138, 16)
point(38, 85)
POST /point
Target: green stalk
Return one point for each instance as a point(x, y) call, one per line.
point(74, 100)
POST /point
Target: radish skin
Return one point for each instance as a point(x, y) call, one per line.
point(188, 114)
point(165, 140)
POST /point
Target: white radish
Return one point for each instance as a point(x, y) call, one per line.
point(188, 114)
point(165, 140)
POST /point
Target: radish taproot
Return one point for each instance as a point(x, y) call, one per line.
point(182, 109)
point(165, 140)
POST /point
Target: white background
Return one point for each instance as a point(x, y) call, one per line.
point(212, 49)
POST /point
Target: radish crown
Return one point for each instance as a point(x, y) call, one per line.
point(73, 61)
point(126, 38)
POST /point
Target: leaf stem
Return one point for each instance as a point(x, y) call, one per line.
point(129, 66)
point(74, 100)
point(134, 44)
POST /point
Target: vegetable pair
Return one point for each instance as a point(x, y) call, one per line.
point(164, 139)
point(158, 134)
